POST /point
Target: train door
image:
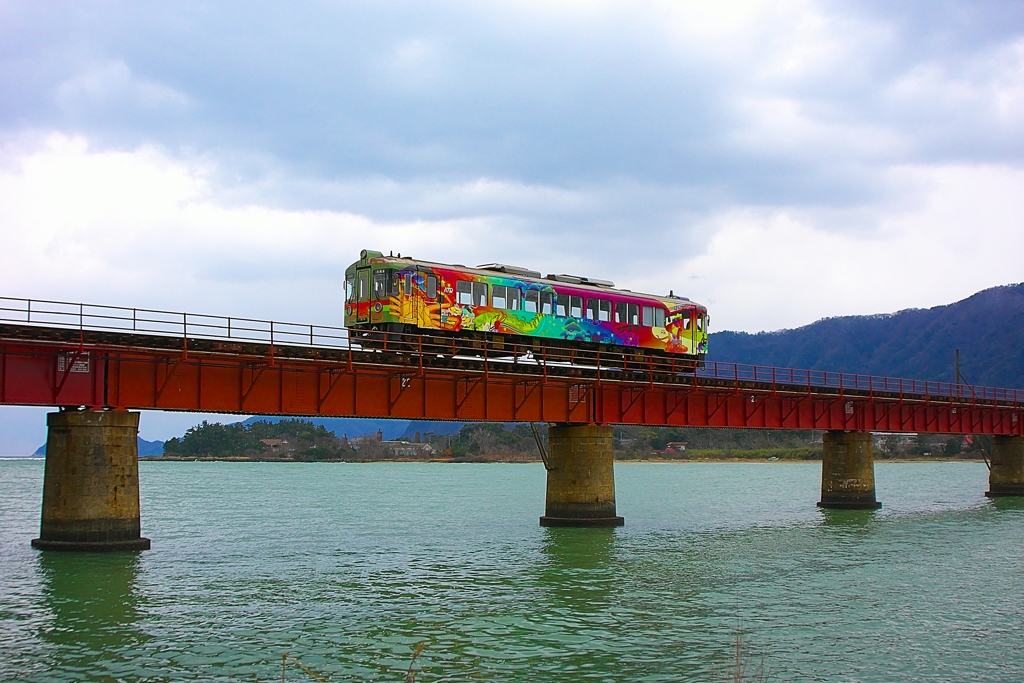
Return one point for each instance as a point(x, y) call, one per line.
point(429, 313)
point(700, 333)
point(688, 333)
point(407, 312)
point(363, 293)
point(379, 295)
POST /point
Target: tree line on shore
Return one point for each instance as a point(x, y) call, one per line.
point(495, 442)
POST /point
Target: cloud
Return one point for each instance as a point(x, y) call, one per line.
point(236, 157)
point(767, 269)
point(142, 229)
point(550, 93)
point(111, 85)
point(145, 229)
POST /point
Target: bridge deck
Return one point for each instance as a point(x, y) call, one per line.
point(77, 355)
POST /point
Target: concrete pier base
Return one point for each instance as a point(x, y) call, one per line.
point(91, 483)
point(581, 478)
point(1006, 476)
point(848, 472)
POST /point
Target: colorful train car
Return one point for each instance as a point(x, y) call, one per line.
point(395, 294)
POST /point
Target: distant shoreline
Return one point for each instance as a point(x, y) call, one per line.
point(681, 461)
point(674, 461)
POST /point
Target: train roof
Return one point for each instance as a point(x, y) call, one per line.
point(566, 281)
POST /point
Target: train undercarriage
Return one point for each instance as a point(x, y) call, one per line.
point(403, 338)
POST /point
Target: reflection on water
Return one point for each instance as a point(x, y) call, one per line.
point(1007, 503)
point(577, 566)
point(848, 518)
point(565, 549)
point(94, 609)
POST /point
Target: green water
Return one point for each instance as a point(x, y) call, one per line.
point(346, 566)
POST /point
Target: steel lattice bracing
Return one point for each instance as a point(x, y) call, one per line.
point(142, 361)
point(371, 384)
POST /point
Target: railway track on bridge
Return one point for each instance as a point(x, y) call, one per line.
point(175, 361)
point(660, 371)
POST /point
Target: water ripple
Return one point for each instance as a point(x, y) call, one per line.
point(348, 566)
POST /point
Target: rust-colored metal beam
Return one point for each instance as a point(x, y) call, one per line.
point(59, 367)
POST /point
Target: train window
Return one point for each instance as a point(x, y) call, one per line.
point(634, 314)
point(350, 288)
point(498, 298)
point(531, 302)
point(479, 293)
point(659, 317)
point(576, 306)
point(379, 284)
point(395, 279)
point(514, 297)
point(700, 323)
point(592, 308)
point(686, 320)
point(562, 305)
point(605, 311)
point(364, 287)
point(408, 284)
point(547, 300)
point(431, 287)
point(648, 316)
point(463, 292)
point(620, 311)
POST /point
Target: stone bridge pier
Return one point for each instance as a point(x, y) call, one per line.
point(91, 482)
point(581, 477)
point(848, 472)
point(1006, 473)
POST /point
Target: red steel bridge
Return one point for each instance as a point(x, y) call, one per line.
point(98, 363)
point(81, 355)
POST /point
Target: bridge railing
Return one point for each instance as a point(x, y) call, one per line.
point(853, 382)
point(46, 313)
point(610, 363)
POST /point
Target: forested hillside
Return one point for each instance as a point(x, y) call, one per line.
point(988, 328)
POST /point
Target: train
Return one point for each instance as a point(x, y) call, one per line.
point(512, 305)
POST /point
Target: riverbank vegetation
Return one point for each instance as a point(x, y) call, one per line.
point(302, 440)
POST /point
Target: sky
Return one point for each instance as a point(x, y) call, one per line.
point(779, 162)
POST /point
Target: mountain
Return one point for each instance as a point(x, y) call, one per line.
point(988, 328)
point(146, 448)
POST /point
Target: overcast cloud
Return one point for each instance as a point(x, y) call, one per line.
point(778, 161)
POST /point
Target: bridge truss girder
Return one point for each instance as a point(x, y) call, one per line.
point(133, 372)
